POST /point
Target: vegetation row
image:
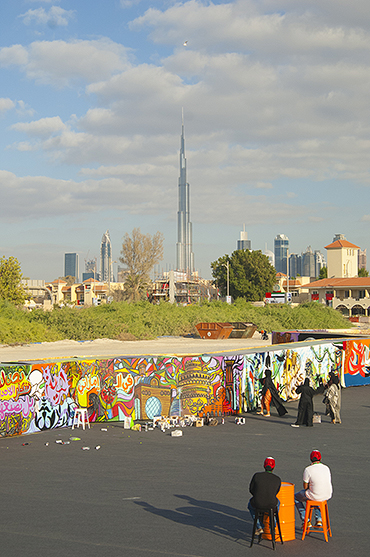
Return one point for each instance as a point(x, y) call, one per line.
point(142, 320)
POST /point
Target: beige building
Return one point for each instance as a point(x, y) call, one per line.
point(351, 296)
point(342, 258)
point(88, 293)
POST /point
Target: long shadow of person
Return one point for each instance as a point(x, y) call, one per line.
point(220, 520)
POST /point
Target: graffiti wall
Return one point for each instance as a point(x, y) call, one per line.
point(356, 362)
point(289, 368)
point(38, 396)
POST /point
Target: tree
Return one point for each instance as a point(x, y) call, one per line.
point(11, 288)
point(139, 253)
point(251, 274)
point(363, 273)
point(323, 273)
point(69, 279)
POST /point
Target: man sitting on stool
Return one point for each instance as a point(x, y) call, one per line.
point(316, 487)
point(264, 487)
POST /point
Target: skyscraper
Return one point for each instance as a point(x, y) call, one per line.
point(295, 265)
point(106, 266)
point(184, 246)
point(281, 247)
point(308, 263)
point(243, 243)
point(71, 265)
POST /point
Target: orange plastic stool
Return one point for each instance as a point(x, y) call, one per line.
point(325, 528)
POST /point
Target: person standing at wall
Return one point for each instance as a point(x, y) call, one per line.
point(333, 398)
point(305, 406)
point(270, 396)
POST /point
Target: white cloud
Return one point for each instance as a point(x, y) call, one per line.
point(13, 55)
point(6, 104)
point(242, 26)
point(62, 63)
point(129, 3)
point(55, 17)
point(41, 128)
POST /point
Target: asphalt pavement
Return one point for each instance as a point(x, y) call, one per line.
point(147, 494)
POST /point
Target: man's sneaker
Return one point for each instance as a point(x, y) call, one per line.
point(259, 531)
point(294, 425)
point(309, 525)
point(318, 524)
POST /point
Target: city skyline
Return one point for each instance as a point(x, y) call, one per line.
point(275, 96)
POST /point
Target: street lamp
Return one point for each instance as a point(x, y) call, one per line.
point(228, 299)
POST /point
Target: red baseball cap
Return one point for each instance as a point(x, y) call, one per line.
point(269, 461)
point(315, 455)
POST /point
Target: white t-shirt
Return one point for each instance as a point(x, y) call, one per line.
point(318, 477)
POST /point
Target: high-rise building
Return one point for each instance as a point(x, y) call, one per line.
point(308, 263)
point(71, 265)
point(270, 255)
point(106, 264)
point(319, 262)
point(281, 248)
point(295, 265)
point(184, 246)
point(362, 259)
point(243, 243)
point(90, 270)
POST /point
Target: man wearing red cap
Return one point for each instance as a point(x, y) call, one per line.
point(264, 487)
point(316, 487)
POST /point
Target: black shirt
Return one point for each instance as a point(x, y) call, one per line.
point(264, 487)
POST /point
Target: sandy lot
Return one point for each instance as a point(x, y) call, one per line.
point(107, 347)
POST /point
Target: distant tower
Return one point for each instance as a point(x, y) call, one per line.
point(184, 246)
point(295, 265)
point(106, 267)
point(362, 259)
point(308, 263)
point(243, 243)
point(281, 248)
point(71, 265)
point(319, 262)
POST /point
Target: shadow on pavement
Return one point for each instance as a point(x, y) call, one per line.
point(218, 519)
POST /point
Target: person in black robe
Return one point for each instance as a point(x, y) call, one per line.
point(305, 406)
point(270, 395)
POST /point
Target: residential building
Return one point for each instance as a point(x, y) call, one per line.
point(184, 246)
point(281, 248)
point(87, 293)
point(71, 265)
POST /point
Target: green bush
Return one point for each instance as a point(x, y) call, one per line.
point(142, 320)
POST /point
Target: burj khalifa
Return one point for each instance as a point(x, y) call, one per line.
point(184, 246)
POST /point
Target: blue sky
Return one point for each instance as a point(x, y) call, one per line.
point(277, 122)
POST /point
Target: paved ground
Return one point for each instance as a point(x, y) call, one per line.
point(110, 348)
point(148, 494)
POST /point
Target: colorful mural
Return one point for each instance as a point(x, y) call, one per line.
point(356, 362)
point(289, 369)
point(44, 395)
point(40, 396)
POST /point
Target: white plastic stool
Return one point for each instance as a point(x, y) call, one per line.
point(80, 417)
